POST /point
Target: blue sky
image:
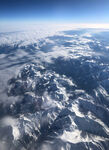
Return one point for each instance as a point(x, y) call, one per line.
point(75, 11)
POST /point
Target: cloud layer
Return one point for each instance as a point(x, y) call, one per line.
point(54, 89)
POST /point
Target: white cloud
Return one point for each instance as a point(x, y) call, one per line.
point(75, 137)
point(28, 33)
point(9, 121)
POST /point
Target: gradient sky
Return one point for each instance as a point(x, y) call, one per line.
point(76, 11)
